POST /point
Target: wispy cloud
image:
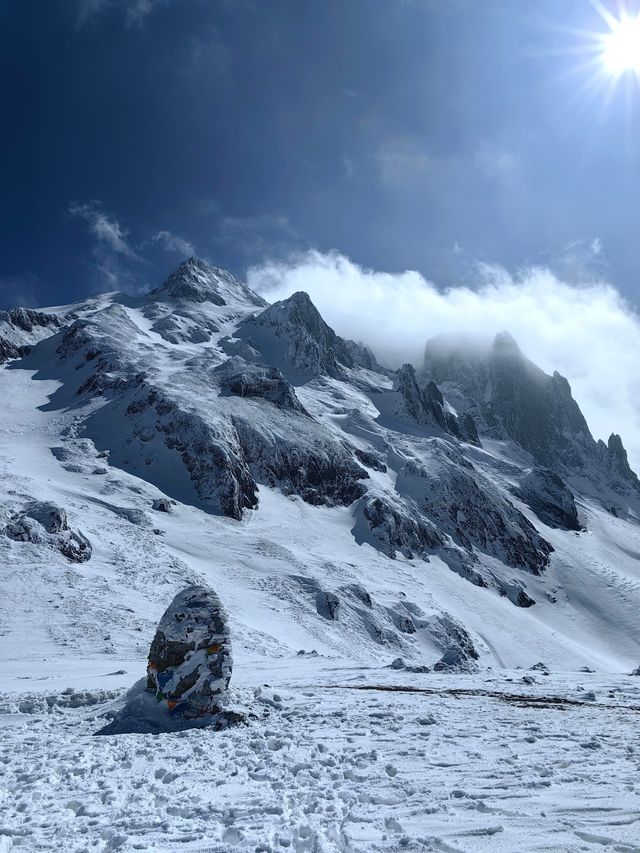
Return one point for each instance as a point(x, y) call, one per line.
point(257, 235)
point(174, 243)
point(209, 54)
point(402, 161)
point(105, 227)
point(135, 11)
point(112, 245)
point(587, 331)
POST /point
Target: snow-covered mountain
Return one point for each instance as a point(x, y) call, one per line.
point(199, 433)
point(419, 534)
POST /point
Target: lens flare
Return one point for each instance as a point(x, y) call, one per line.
point(621, 47)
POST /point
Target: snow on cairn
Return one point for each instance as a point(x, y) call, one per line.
point(188, 672)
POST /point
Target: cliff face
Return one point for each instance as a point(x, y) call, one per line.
point(511, 398)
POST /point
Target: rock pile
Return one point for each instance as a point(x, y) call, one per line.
point(188, 672)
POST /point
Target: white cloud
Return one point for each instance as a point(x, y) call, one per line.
point(587, 332)
point(111, 247)
point(174, 243)
point(105, 227)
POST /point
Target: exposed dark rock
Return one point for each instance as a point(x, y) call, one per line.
point(359, 592)
point(9, 350)
point(306, 463)
point(459, 651)
point(548, 496)
point(327, 604)
point(393, 528)
point(454, 660)
point(176, 328)
point(540, 667)
point(614, 459)
point(509, 397)
point(162, 504)
point(20, 328)
point(370, 460)
point(213, 456)
point(425, 406)
point(254, 380)
point(292, 335)
point(363, 356)
point(400, 664)
point(45, 523)
point(403, 622)
point(471, 510)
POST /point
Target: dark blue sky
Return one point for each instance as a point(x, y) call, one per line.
point(403, 133)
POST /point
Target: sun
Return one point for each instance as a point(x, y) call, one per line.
point(621, 46)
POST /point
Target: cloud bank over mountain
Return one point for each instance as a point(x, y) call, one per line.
point(587, 332)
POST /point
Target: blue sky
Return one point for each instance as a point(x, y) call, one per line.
point(404, 134)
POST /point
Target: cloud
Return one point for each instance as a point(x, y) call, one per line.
point(112, 248)
point(257, 235)
point(402, 161)
point(587, 331)
point(209, 55)
point(174, 243)
point(136, 11)
point(105, 227)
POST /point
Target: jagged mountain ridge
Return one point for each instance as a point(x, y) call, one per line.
point(509, 397)
point(203, 392)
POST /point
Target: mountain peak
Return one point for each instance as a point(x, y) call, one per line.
point(293, 332)
point(504, 342)
point(194, 280)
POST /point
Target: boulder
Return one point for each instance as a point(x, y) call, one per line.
point(190, 657)
point(45, 523)
point(188, 672)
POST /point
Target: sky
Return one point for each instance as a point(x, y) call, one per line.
point(404, 134)
point(465, 146)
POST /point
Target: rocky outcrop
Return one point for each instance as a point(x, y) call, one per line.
point(546, 493)
point(392, 527)
point(425, 406)
point(466, 506)
point(188, 672)
point(213, 456)
point(258, 381)
point(613, 458)
point(20, 328)
point(45, 523)
point(363, 356)
point(304, 461)
point(292, 335)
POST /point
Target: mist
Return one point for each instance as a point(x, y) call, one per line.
point(587, 332)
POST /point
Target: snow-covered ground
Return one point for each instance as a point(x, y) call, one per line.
point(334, 758)
point(331, 758)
